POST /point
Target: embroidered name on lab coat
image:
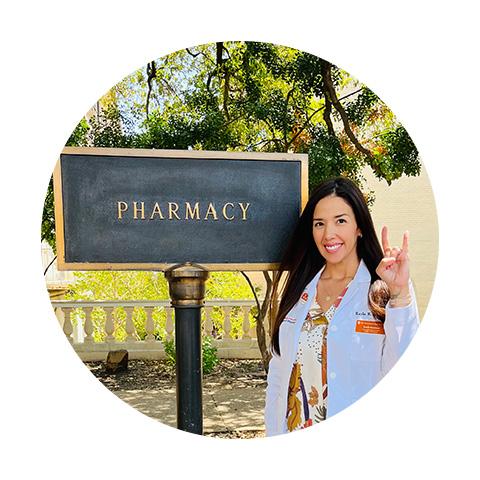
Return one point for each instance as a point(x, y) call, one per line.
point(363, 314)
point(369, 326)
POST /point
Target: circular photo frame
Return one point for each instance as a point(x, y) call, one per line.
point(239, 239)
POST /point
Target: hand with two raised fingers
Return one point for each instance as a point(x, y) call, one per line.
point(393, 269)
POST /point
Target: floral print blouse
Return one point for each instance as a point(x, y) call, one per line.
point(308, 389)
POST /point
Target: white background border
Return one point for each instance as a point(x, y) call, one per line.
point(421, 58)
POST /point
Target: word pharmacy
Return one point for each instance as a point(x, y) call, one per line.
point(183, 211)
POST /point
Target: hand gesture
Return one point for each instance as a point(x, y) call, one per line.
point(393, 269)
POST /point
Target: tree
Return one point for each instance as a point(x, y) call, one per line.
point(250, 96)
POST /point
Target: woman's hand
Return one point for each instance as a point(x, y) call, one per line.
point(393, 269)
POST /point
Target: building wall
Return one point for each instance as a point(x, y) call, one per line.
point(408, 204)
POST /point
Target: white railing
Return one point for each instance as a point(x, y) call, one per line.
point(141, 327)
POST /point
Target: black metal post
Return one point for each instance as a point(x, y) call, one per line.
point(187, 292)
point(189, 369)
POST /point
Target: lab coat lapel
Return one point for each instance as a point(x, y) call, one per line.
point(362, 275)
point(294, 319)
point(306, 298)
point(298, 313)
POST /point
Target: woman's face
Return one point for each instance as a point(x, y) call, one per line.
point(335, 230)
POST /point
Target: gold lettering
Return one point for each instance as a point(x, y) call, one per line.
point(121, 207)
point(156, 210)
point(244, 210)
point(224, 211)
point(192, 213)
point(136, 209)
point(172, 211)
point(211, 211)
point(192, 210)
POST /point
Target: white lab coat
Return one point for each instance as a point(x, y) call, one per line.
point(355, 361)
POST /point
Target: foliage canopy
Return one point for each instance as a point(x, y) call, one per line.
point(251, 96)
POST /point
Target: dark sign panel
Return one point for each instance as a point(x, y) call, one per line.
point(148, 209)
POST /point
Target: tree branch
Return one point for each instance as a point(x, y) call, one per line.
point(219, 54)
point(259, 318)
point(326, 116)
point(307, 121)
point(232, 120)
point(275, 140)
point(332, 97)
point(257, 301)
point(49, 265)
point(267, 293)
point(289, 94)
point(251, 145)
point(194, 55)
point(226, 88)
point(169, 87)
point(209, 80)
point(228, 53)
point(151, 75)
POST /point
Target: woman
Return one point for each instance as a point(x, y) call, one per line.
point(347, 311)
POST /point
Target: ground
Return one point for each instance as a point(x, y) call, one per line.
point(146, 376)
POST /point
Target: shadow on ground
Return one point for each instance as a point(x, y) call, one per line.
point(233, 395)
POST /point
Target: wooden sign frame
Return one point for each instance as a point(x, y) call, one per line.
point(184, 154)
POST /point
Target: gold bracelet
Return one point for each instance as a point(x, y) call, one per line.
point(397, 301)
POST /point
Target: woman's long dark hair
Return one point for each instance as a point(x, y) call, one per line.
point(302, 260)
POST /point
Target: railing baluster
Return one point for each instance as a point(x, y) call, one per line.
point(169, 326)
point(109, 325)
point(227, 323)
point(129, 325)
point(208, 325)
point(67, 324)
point(149, 325)
point(88, 328)
point(246, 321)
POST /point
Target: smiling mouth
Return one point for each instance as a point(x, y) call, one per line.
point(333, 248)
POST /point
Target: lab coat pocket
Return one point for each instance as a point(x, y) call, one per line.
point(367, 344)
point(365, 362)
